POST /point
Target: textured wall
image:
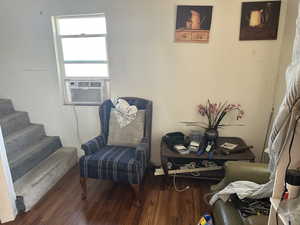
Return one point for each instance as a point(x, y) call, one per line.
point(145, 62)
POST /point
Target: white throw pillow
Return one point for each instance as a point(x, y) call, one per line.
point(129, 136)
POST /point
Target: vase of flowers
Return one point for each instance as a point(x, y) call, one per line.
point(211, 134)
point(215, 113)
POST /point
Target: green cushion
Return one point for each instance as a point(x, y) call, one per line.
point(224, 213)
point(247, 171)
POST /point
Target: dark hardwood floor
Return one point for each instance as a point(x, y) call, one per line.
point(112, 204)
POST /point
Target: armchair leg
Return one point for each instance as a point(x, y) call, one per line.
point(137, 193)
point(83, 187)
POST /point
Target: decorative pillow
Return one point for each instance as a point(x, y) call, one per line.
point(129, 136)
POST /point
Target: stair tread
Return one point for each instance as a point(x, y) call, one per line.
point(4, 100)
point(11, 115)
point(13, 122)
point(24, 130)
point(6, 107)
point(43, 168)
point(35, 147)
point(38, 181)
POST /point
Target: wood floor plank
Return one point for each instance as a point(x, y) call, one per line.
point(150, 202)
point(109, 203)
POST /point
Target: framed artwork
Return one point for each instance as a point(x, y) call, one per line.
point(193, 23)
point(260, 20)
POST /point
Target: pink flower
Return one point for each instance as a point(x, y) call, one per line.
point(201, 110)
point(215, 112)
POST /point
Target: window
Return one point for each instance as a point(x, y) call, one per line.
point(82, 61)
point(81, 46)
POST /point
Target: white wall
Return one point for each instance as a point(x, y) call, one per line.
point(286, 50)
point(8, 209)
point(145, 62)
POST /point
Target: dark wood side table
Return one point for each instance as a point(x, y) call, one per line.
point(168, 155)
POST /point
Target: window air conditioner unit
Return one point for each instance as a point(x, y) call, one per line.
point(80, 92)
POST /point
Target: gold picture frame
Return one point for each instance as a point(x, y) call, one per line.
point(193, 23)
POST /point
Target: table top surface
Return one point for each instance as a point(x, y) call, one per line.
point(246, 155)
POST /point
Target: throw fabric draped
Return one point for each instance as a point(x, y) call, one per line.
point(125, 113)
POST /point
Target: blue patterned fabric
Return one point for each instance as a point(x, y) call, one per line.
point(114, 163)
point(93, 145)
point(117, 163)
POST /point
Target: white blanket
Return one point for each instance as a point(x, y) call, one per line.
point(124, 112)
point(244, 189)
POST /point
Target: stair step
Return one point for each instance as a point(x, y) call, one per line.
point(36, 161)
point(6, 107)
point(18, 141)
point(33, 155)
point(37, 182)
point(14, 122)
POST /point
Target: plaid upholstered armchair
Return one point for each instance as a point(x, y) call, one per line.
point(113, 162)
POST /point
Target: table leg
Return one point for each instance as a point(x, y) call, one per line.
point(164, 164)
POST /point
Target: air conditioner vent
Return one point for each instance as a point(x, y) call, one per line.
point(84, 84)
point(86, 92)
point(95, 84)
point(86, 96)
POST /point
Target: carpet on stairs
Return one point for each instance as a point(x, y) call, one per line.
point(37, 161)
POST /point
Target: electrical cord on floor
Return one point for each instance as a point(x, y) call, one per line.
point(77, 126)
point(176, 188)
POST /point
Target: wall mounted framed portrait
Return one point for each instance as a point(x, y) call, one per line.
point(193, 23)
point(260, 20)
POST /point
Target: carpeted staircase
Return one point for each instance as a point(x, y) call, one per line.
point(36, 160)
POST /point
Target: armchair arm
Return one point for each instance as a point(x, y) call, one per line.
point(142, 151)
point(243, 171)
point(93, 145)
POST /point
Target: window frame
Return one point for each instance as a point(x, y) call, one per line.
point(59, 49)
